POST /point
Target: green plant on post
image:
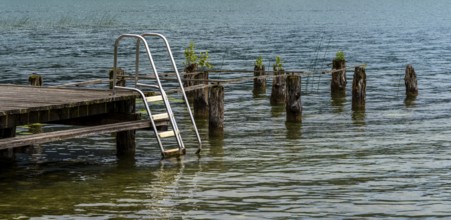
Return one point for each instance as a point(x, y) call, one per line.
point(190, 55)
point(203, 60)
point(340, 55)
point(277, 67)
point(259, 62)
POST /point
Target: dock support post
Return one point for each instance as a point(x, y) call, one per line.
point(338, 82)
point(216, 113)
point(8, 154)
point(278, 91)
point(293, 100)
point(410, 80)
point(125, 140)
point(259, 80)
point(359, 88)
point(189, 71)
point(201, 96)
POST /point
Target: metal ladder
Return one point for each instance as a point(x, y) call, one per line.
point(160, 97)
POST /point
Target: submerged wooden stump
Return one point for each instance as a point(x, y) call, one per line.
point(338, 83)
point(120, 76)
point(293, 99)
point(359, 88)
point(201, 96)
point(410, 80)
point(278, 91)
point(35, 79)
point(216, 113)
point(260, 80)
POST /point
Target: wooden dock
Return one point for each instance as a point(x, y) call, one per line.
point(98, 111)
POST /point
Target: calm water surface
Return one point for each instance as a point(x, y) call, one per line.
point(389, 161)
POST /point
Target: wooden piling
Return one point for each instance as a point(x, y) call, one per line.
point(293, 99)
point(259, 82)
point(35, 79)
point(359, 88)
point(216, 113)
point(120, 77)
point(125, 140)
point(187, 82)
point(201, 96)
point(7, 156)
point(278, 91)
point(338, 82)
point(410, 80)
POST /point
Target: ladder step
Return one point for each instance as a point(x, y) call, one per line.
point(154, 98)
point(165, 134)
point(173, 153)
point(160, 116)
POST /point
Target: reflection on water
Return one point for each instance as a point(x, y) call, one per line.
point(338, 100)
point(358, 116)
point(410, 101)
point(294, 130)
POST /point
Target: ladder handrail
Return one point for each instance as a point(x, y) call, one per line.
point(179, 81)
point(152, 63)
point(141, 39)
point(148, 112)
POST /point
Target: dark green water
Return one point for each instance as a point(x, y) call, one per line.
point(390, 161)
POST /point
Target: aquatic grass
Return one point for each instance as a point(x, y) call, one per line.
point(105, 20)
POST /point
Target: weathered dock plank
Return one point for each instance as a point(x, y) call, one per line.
point(25, 105)
point(19, 141)
point(100, 109)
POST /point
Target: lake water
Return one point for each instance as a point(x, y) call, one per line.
point(390, 161)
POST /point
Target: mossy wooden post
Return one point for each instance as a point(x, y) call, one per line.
point(189, 74)
point(259, 80)
point(278, 91)
point(35, 79)
point(125, 140)
point(120, 77)
point(410, 80)
point(293, 99)
point(201, 96)
point(216, 113)
point(359, 88)
point(338, 83)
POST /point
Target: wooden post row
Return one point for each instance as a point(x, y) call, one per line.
point(359, 88)
point(278, 91)
point(259, 82)
point(293, 99)
point(216, 113)
point(338, 82)
point(410, 80)
point(201, 96)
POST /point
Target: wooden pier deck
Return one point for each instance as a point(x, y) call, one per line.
point(98, 110)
